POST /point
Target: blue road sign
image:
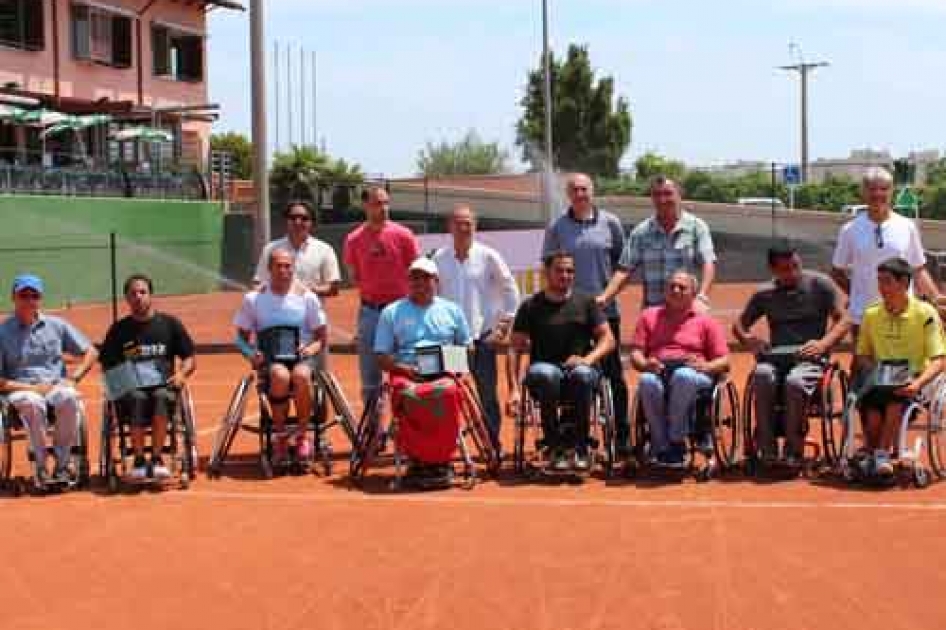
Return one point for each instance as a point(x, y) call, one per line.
point(791, 174)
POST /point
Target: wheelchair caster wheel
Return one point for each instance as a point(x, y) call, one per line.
point(112, 484)
point(267, 469)
point(921, 477)
point(185, 481)
point(705, 474)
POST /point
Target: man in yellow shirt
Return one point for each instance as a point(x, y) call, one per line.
point(898, 327)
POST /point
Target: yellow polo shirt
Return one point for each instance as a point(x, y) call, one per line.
point(914, 335)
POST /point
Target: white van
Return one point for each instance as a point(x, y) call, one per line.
point(761, 202)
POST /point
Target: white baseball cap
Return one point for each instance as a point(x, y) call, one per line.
point(424, 265)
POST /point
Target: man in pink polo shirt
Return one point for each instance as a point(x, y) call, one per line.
point(679, 351)
point(378, 254)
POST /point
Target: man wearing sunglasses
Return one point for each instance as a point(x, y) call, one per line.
point(873, 236)
point(33, 375)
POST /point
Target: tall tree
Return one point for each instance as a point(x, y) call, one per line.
point(591, 129)
point(240, 148)
point(470, 156)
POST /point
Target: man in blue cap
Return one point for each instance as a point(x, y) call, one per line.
point(33, 375)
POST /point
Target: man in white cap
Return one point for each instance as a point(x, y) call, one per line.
point(33, 375)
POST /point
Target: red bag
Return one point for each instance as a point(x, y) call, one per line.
point(428, 418)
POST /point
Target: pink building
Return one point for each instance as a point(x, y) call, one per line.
point(136, 60)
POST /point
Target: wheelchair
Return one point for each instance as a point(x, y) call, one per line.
point(372, 438)
point(918, 450)
point(824, 409)
point(327, 390)
point(530, 452)
point(117, 452)
point(12, 429)
point(713, 436)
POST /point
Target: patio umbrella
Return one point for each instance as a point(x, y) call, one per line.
point(76, 123)
point(38, 117)
point(147, 134)
point(9, 112)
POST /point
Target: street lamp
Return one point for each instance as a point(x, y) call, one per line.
point(260, 148)
point(803, 69)
point(549, 174)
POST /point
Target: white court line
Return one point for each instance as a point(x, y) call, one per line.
point(356, 497)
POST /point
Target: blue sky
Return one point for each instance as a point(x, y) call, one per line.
point(701, 77)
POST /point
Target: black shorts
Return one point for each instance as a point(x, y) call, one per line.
point(142, 405)
point(878, 399)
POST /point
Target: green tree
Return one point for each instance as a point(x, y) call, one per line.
point(241, 150)
point(650, 165)
point(470, 156)
point(591, 130)
point(936, 173)
point(304, 171)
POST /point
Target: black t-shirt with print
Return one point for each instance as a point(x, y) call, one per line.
point(558, 330)
point(162, 337)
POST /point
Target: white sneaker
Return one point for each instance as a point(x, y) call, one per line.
point(139, 469)
point(160, 470)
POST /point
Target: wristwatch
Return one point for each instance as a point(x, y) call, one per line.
point(702, 297)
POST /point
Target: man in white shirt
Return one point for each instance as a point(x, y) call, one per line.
point(475, 277)
point(284, 303)
point(872, 237)
point(316, 264)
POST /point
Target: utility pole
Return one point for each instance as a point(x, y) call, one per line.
point(289, 95)
point(276, 96)
point(315, 127)
point(260, 146)
point(302, 95)
point(549, 153)
point(804, 69)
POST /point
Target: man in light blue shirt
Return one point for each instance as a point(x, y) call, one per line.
point(420, 319)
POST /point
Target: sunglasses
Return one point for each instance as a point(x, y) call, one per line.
point(28, 295)
point(879, 236)
point(299, 217)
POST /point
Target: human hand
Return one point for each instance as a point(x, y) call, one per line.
point(812, 350)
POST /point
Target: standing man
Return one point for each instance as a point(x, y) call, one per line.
point(316, 264)
point(33, 375)
point(672, 240)
point(476, 278)
point(378, 254)
point(146, 335)
point(595, 238)
point(872, 237)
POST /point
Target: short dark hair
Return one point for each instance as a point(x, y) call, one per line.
point(660, 180)
point(299, 203)
point(896, 267)
point(549, 259)
point(137, 277)
point(779, 250)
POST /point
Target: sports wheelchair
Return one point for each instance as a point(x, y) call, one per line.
point(181, 446)
point(531, 454)
point(326, 390)
point(824, 408)
point(372, 438)
point(713, 435)
point(920, 447)
point(12, 429)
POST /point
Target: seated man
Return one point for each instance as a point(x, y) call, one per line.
point(33, 375)
point(283, 303)
point(153, 340)
point(803, 310)
point(567, 337)
point(679, 351)
point(899, 327)
point(421, 319)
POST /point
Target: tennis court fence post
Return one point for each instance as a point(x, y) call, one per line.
point(114, 273)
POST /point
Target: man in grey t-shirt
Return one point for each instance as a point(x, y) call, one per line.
point(802, 309)
point(595, 240)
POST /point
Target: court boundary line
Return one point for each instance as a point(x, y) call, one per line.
point(354, 497)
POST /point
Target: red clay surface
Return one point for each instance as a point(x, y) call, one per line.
point(311, 552)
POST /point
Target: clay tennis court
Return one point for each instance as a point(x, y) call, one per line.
point(313, 552)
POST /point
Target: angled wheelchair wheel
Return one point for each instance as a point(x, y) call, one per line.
point(368, 436)
point(833, 392)
point(475, 420)
point(750, 451)
point(6, 448)
point(81, 452)
point(107, 464)
point(727, 429)
point(641, 431)
point(229, 426)
point(936, 439)
point(341, 408)
point(525, 418)
point(604, 425)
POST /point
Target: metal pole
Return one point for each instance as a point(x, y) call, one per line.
point(113, 259)
point(315, 127)
point(549, 152)
point(276, 96)
point(260, 152)
point(289, 93)
point(804, 122)
point(302, 96)
point(774, 184)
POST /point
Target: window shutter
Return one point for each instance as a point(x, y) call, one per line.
point(34, 24)
point(161, 50)
point(121, 41)
point(81, 32)
point(195, 58)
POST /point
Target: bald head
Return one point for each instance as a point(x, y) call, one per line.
point(462, 227)
point(581, 193)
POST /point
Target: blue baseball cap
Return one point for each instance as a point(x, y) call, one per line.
point(27, 281)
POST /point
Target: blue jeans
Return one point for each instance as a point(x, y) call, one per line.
point(367, 360)
point(484, 373)
point(668, 413)
point(550, 385)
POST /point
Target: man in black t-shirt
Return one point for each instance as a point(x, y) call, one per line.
point(153, 341)
point(566, 335)
point(803, 312)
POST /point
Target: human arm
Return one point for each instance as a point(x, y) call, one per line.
point(518, 347)
point(838, 326)
point(742, 327)
point(388, 363)
point(643, 363)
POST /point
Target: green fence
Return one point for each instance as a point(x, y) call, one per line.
point(65, 240)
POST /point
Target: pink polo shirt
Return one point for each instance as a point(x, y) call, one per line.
point(693, 334)
point(380, 260)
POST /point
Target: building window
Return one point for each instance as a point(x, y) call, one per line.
point(101, 36)
point(21, 24)
point(177, 55)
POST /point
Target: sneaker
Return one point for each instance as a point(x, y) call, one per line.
point(303, 448)
point(280, 449)
point(676, 455)
point(582, 461)
point(882, 464)
point(158, 469)
point(139, 469)
point(705, 443)
point(559, 461)
point(63, 471)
